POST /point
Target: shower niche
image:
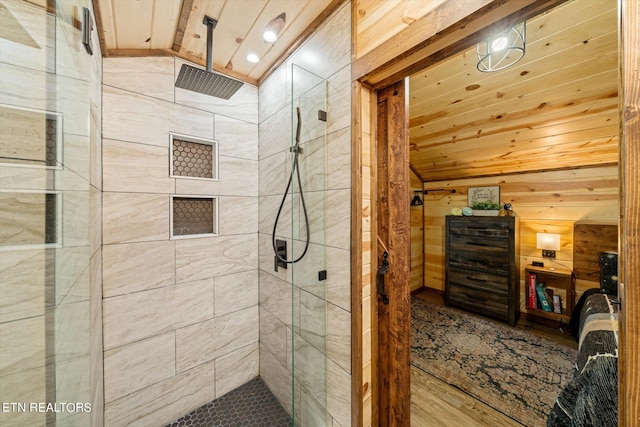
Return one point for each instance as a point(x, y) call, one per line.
point(193, 157)
point(194, 216)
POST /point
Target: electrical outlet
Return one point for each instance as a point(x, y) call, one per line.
point(548, 254)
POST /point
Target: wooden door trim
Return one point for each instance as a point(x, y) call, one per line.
point(392, 235)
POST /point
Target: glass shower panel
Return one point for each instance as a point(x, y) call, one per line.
point(309, 207)
point(44, 215)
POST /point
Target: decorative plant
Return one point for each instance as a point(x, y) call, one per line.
point(485, 206)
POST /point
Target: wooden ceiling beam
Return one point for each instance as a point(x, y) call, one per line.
point(185, 13)
point(419, 46)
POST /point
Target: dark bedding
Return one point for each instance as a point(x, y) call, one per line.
point(591, 398)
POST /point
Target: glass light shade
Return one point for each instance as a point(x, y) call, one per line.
point(548, 241)
point(502, 50)
point(274, 28)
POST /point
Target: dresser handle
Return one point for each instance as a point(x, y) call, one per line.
point(476, 279)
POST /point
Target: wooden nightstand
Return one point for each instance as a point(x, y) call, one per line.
point(557, 279)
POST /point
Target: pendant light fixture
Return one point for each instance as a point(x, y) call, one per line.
point(502, 50)
point(274, 28)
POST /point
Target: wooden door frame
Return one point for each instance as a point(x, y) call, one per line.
point(429, 40)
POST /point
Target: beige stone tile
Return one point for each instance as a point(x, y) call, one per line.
point(238, 177)
point(273, 174)
point(22, 288)
point(339, 210)
point(76, 155)
point(236, 138)
point(338, 395)
point(310, 368)
point(277, 377)
point(235, 292)
point(339, 100)
point(29, 88)
point(73, 385)
point(134, 217)
point(339, 336)
point(132, 317)
point(22, 345)
point(72, 334)
point(267, 215)
point(317, 203)
point(30, 45)
point(214, 256)
point(273, 335)
point(275, 297)
point(149, 76)
point(134, 366)
point(96, 350)
point(312, 413)
point(339, 159)
point(313, 165)
point(205, 341)
point(330, 46)
point(133, 267)
point(95, 219)
point(153, 118)
point(313, 321)
point(131, 167)
point(95, 153)
point(275, 133)
point(274, 93)
point(237, 215)
point(25, 386)
point(305, 272)
point(237, 368)
point(242, 105)
point(338, 282)
point(164, 402)
point(75, 218)
point(23, 217)
point(72, 274)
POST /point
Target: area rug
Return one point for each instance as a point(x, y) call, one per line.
point(509, 369)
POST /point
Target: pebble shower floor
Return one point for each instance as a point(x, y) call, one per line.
point(250, 405)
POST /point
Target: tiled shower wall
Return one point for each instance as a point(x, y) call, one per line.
point(327, 53)
point(180, 316)
point(50, 298)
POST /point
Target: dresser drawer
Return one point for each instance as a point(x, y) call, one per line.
point(480, 302)
point(482, 260)
point(493, 284)
point(478, 228)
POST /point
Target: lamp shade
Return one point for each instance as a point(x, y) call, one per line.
point(548, 241)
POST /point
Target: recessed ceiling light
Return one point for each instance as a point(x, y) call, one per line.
point(253, 58)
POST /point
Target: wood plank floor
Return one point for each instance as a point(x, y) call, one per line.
point(435, 403)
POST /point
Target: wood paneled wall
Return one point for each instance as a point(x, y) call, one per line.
point(417, 236)
point(545, 202)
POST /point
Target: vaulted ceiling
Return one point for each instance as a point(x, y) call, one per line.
point(175, 27)
point(555, 109)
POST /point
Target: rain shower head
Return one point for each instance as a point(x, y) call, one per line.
point(206, 81)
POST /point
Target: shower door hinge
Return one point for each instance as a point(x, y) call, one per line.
point(322, 115)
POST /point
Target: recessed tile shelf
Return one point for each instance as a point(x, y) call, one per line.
point(30, 138)
point(193, 216)
point(30, 219)
point(193, 157)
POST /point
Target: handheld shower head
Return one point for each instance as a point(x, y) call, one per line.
point(298, 127)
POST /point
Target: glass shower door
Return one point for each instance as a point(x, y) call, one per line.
point(44, 216)
point(308, 219)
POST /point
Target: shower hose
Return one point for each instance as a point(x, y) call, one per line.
point(295, 169)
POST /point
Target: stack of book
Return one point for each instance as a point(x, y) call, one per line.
point(540, 297)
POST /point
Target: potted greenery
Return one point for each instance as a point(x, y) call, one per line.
point(485, 209)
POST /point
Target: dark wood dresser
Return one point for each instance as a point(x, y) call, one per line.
point(482, 272)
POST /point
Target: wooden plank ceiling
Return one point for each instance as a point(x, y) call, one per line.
point(555, 109)
point(174, 27)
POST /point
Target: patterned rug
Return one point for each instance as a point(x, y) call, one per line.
point(511, 370)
